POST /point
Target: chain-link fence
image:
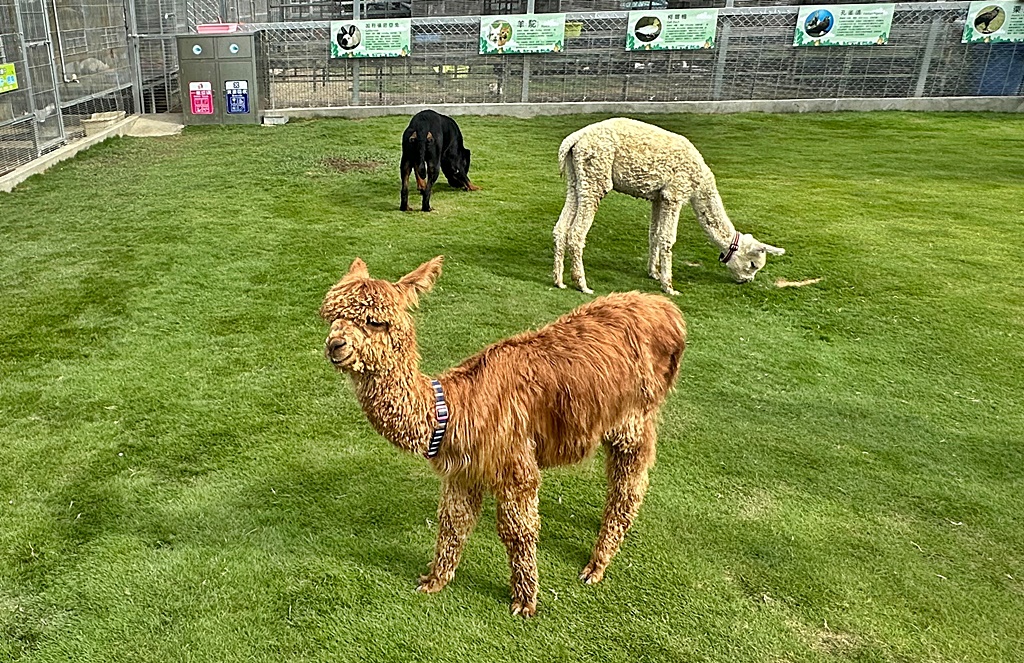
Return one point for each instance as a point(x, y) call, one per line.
point(753, 59)
point(77, 57)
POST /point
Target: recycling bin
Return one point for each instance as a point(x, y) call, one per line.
point(222, 78)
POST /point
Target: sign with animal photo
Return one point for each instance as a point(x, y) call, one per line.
point(994, 22)
point(522, 33)
point(8, 78)
point(376, 38)
point(843, 25)
point(662, 30)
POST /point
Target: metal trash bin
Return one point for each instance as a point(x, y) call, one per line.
point(221, 78)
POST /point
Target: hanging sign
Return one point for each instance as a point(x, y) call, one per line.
point(377, 38)
point(671, 29)
point(994, 22)
point(8, 78)
point(237, 96)
point(843, 25)
point(522, 33)
point(200, 97)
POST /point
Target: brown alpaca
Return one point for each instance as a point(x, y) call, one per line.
point(536, 400)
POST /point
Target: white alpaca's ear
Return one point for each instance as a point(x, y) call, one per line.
point(421, 279)
point(358, 270)
point(774, 250)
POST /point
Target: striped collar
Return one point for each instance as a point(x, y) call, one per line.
point(441, 409)
point(733, 247)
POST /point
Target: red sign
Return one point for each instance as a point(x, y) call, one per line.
point(207, 28)
point(200, 96)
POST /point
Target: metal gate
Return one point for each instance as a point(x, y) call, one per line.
point(33, 24)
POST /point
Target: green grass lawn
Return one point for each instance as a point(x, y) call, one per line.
point(183, 477)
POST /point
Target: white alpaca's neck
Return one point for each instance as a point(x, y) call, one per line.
point(710, 212)
point(400, 406)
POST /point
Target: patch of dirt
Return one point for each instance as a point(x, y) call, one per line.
point(783, 283)
point(757, 506)
point(827, 641)
point(835, 642)
point(343, 165)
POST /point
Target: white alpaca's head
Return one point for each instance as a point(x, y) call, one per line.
point(747, 260)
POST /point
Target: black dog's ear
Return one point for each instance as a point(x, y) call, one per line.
point(465, 159)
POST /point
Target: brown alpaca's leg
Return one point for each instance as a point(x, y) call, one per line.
point(457, 515)
point(518, 528)
point(631, 451)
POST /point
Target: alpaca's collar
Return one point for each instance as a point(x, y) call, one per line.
point(441, 408)
point(733, 247)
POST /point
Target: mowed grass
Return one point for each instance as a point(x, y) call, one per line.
point(184, 478)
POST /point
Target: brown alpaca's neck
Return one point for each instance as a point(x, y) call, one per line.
point(400, 406)
point(710, 212)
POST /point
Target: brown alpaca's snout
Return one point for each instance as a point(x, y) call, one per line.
point(338, 352)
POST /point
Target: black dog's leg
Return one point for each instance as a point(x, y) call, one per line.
point(406, 169)
point(431, 178)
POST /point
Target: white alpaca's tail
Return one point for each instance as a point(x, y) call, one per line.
point(565, 148)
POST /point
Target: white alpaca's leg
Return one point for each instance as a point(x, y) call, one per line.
point(653, 246)
point(593, 178)
point(586, 208)
point(565, 222)
point(667, 238)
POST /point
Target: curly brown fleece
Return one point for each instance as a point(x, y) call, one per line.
point(536, 400)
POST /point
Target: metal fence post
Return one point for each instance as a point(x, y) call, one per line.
point(723, 50)
point(926, 59)
point(355, 62)
point(133, 56)
point(530, 5)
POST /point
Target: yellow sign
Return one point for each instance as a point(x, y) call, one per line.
point(8, 78)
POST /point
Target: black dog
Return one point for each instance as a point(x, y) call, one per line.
point(433, 141)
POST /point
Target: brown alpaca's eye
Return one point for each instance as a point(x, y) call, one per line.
point(376, 325)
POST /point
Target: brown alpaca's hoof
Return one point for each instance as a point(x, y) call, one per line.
point(430, 585)
point(590, 575)
point(524, 609)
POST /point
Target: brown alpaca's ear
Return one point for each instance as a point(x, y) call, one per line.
point(420, 280)
point(358, 270)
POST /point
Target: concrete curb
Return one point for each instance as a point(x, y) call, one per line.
point(525, 111)
point(19, 175)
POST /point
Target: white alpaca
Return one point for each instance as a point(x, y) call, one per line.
point(647, 162)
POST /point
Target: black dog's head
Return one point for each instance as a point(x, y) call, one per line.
point(457, 168)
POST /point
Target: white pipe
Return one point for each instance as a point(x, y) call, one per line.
point(60, 49)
